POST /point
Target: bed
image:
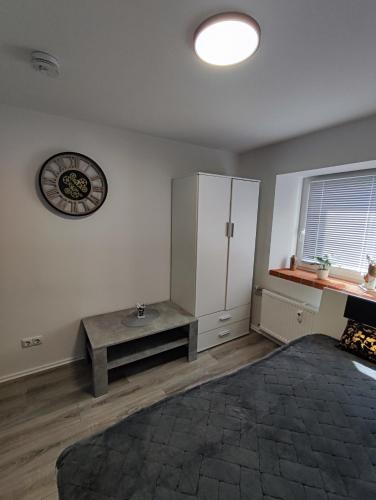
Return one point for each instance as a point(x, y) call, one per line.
point(299, 424)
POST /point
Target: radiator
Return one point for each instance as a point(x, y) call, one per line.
point(284, 318)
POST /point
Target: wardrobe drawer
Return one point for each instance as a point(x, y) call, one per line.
point(222, 318)
point(223, 334)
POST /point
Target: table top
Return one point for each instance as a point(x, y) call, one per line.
point(109, 329)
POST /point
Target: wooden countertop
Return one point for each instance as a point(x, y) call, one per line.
point(310, 279)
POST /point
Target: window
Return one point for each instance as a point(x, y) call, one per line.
point(338, 217)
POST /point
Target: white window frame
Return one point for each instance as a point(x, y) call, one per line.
point(335, 271)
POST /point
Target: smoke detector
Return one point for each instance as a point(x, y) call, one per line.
point(45, 63)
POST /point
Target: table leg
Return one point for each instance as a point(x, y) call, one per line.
point(192, 345)
point(100, 373)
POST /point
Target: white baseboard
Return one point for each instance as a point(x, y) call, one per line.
point(255, 328)
point(66, 361)
point(38, 369)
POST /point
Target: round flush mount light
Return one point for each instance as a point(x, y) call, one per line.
point(227, 38)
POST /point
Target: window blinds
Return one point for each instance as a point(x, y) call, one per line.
point(341, 220)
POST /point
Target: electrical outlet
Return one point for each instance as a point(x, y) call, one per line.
point(299, 316)
point(31, 341)
point(26, 343)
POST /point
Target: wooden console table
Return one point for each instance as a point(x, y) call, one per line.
point(110, 343)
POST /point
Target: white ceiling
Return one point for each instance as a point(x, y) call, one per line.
point(130, 63)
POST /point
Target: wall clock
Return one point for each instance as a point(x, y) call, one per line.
point(73, 184)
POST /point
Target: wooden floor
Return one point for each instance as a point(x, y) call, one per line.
point(42, 414)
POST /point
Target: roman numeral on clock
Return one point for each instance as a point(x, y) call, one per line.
point(93, 200)
point(52, 193)
point(86, 206)
point(61, 164)
point(74, 207)
point(74, 163)
point(62, 204)
point(51, 170)
point(49, 182)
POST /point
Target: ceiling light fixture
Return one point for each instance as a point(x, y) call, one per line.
point(227, 38)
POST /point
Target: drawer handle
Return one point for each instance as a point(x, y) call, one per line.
point(223, 334)
point(225, 317)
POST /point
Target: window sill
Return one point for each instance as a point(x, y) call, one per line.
point(309, 279)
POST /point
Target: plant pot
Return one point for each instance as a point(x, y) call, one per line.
point(323, 274)
point(371, 284)
point(372, 270)
point(369, 281)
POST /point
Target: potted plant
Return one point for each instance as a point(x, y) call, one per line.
point(370, 277)
point(325, 262)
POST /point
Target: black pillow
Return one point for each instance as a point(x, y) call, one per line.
point(359, 339)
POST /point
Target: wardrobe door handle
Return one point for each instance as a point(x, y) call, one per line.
point(232, 229)
point(227, 232)
point(223, 334)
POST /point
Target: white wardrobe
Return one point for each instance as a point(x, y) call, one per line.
point(214, 220)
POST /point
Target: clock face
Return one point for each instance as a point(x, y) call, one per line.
point(73, 184)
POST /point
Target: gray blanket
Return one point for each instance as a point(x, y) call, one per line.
point(299, 424)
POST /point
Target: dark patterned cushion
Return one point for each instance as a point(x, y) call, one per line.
point(360, 340)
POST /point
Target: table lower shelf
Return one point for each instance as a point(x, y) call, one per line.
point(129, 352)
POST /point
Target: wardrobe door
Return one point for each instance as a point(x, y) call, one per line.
point(244, 204)
point(212, 243)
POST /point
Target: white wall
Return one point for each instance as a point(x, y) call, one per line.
point(54, 271)
point(349, 143)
